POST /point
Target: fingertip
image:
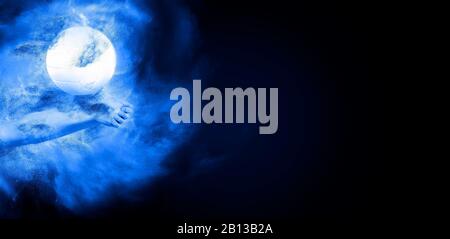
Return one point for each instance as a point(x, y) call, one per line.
point(126, 105)
point(127, 110)
point(118, 119)
point(123, 115)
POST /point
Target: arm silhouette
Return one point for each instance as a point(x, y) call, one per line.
point(46, 125)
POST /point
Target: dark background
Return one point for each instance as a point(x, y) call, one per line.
point(319, 172)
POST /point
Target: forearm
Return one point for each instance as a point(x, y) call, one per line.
point(51, 124)
point(43, 126)
point(63, 129)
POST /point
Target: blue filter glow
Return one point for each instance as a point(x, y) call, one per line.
point(84, 169)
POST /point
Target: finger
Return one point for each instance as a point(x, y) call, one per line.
point(118, 119)
point(126, 109)
point(123, 115)
point(115, 124)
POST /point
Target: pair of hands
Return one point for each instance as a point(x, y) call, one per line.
point(116, 119)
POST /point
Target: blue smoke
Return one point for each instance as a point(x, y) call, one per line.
point(83, 168)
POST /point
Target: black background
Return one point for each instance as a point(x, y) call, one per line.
point(317, 173)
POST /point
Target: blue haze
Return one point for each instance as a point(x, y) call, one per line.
point(84, 168)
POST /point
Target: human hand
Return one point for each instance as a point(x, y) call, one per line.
point(116, 119)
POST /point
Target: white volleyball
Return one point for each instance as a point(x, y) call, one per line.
point(81, 61)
